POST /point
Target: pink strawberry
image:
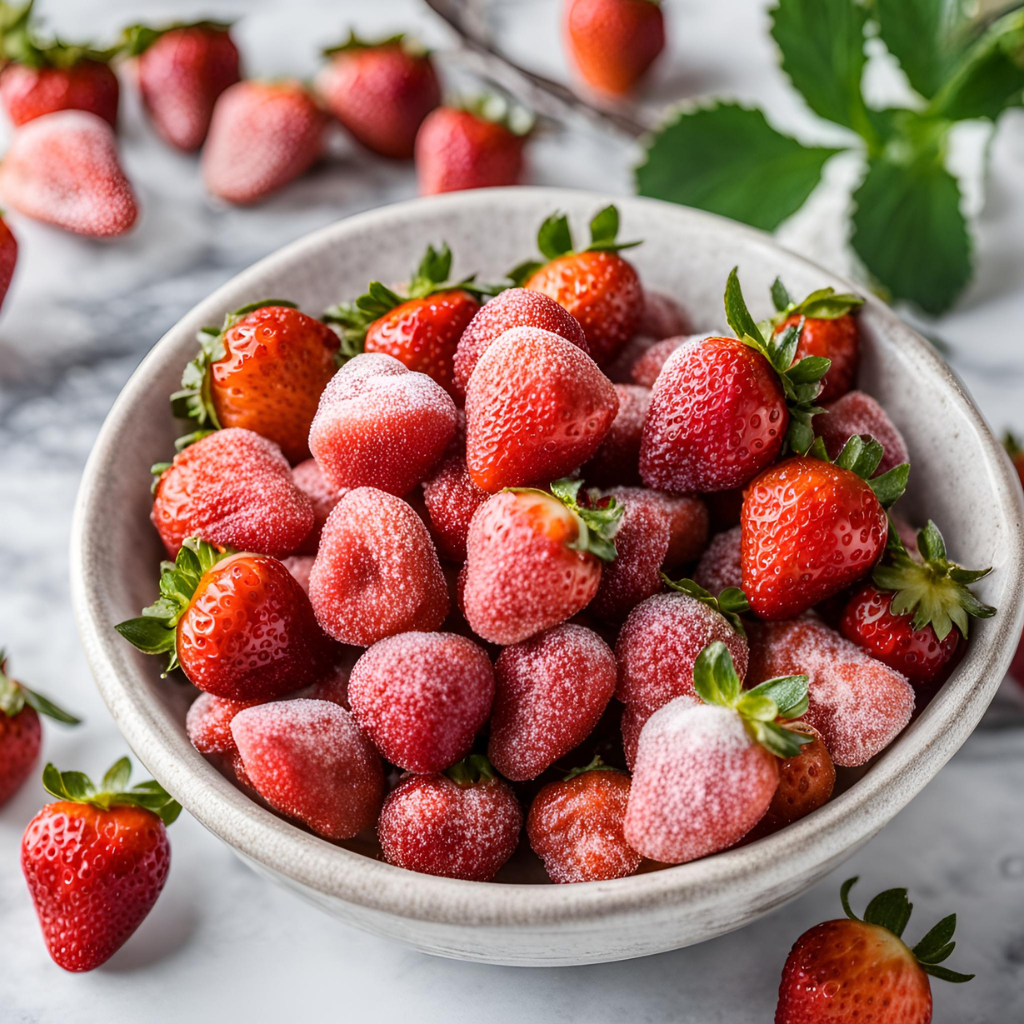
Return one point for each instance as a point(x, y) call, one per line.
point(300, 566)
point(646, 370)
point(662, 316)
point(721, 566)
point(858, 413)
point(208, 723)
point(617, 460)
point(309, 479)
point(634, 718)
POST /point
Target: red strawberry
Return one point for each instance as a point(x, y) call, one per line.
point(596, 285)
point(376, 573)
point(8, 257)
point(634, 718)
point(537, 407)
point(309, 479)
point(232, 488)
point(463, 824)
point(613, 43)
point(721, 566)
point(380, 91)
point(181, 72)
point(63, 169)
point(309, 760)
point(422, 697)
point(617, 460)
point(551, 691)
point(858, 413)
point(208, 723)
point(96, 862)
point(534, 560)
point(812, 527)
point(300, 566)
point(380, 425)
point(262, 136)
point(662, 316)
point(854, 970)
point(575, 826)
point(686, 517)
point(646, 370)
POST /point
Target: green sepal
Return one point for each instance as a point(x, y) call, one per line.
point(497, 108)
point(597, 526)
point(78, 788)
point(14, 696)
point(731, 603)
point(409, 44)
point(21, 44)
point(472, 770)
point(862, 455)
point(596, 765)
point(1012, 444)
point(823, 304)
point(136, 39)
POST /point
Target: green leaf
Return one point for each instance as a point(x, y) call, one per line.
point(787, 693)
point(936, 942)
point(945, 974)
point(728, 160)
point(731, 603)
point(149, 634)
point(554, 238)
point(924, 36)
point(714, 676)
point(473, 769)
point(844, 897)
point(777, 739)
point(736, 313)
point(597, 525)
point(45, 706)
point(117, 776)
point(861, 455)
point(889, 487)
point(890, 909)
point(604, 227)
point(781, 299)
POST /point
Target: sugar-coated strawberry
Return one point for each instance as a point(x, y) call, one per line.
point(232, 488)
point(309, 479)
point(596, 285)
point(613, 43)
point(534, 560)
point(181, 70)
point(309, 760)
point(8, 257)
point(575, 826)
point(239, 625)
point(617, 460)
point(263, 135)
point(537, 407)
point(858, 413)
point(264, 371)
point(376, 572)
point(462, 824)
point(334, 684)
point(620, 369)
point(208, 723)
point(380, 91)
point(63, 169)
point(381, 425)
point(721, 566)
point(422, 697)
point(551, 691)
point(300, 566)
point(647, 368)
point(631, 724)
point(662, 316)
point(96, 861)
point(514, 307)
point(852, 970)
point(686, 517)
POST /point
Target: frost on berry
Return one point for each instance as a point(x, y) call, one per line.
point(208, 723)
point(721, 566)
point(300, 566)
point(617, 460)
point(634, 718)
point(648, 365)
point(687, 519)
point(322, 496)
point(333, 685)
point(662, 316)
point(858, 413)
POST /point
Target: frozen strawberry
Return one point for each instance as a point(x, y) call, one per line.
point(300, 566)
point(322, 496)
point(620, 369)
point(857, 704)
point(63, 169)
point(617, 460)
point(634, 718)
point(534, 560)
point(858, 413)
point(551, 691)
point(662, 316)
point(575, 826)
point(721, 566)
point(376, 573)
point(309, 760)
point(422, 698)
point(462, 824)
point(687, 520)
point(232, 488)
point(333, 686)
point(706, 771)
point(537, 407)
point(380, 425)
point(646, 370)
point(208, 723)
point(8, 257)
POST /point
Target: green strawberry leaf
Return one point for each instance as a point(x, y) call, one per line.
point(117, 775)
point(471, 770)
point(78, 788)
point(597, 525)
point(714, 676)
point(554, 238)
point(924, 36)
point(936, 945)
point(596, 765)
point(891, 910)
point(731, 603)
point(788, 694)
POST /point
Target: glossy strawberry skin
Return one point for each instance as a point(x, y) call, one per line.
point(93, 875)
point(28, 93)
point(838, 340)
point(21, 737)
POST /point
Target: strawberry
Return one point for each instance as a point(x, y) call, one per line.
point(263, 135)
point(63, 169)
point(551, 691)
point(1016, 453)
point(647, 368)
point(239, 625)
point(380, 91)
point(613, 43)
point(662, 316)
point(232, 488)
point(915, 612)
point(309, 479)
point(309, 760)
point(376, 572)
point(381, 425)
point(617, 460)
point(534, 560)
point(208, 723)
point(8, 257)
point(858, 413)
point(537, 407)
point(21, 734)
point(686, 517)
point(181, 71)
point(575, 826)
point(479, 145)
point(596, 285)
point(300, 566)
point(721, 566)
point(422, 697)
point(96, 861)
point(705, 772)
point(859, 970)
point(812, 527)
point(462, 824)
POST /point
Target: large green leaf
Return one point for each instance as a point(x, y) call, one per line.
point(727, 159)
point(925, 36)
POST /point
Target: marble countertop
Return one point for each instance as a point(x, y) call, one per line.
point(223, 943)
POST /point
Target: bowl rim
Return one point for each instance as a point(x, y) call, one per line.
point(825, 837)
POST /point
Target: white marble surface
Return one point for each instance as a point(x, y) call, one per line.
point(224, 944)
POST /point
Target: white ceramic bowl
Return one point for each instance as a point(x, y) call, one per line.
point(961, 478)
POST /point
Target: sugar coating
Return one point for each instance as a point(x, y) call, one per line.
point(381, 425)
point(537, 407)
point(687, 518)
point(309, 760)
point(551, 691)
point(857, 704)
point(617, 460)
point(422, 697)
point(721, 566)
point(300, 566)
point(322, 496)
point(431, 825)
point(858, 413)
point(700, 783)
point(376, 573)
point(662, 316)
point(232, 488)
point(649, 363)
point(208, 723)
point(62, 168)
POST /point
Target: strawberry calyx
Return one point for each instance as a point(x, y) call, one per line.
point(823, 304)
point(136, 39)
point(891, 910)
point(21, 44)
point(716, 682)
point(497, 108)
point(731, 603)
point(113, 791)
point(933, 589)
point(1013, 445)
point(472, 770)
point(861, 455)
point(15, 696)
point(409, 44)
point(597, 524)
point(596, 765)
point(155, 630)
